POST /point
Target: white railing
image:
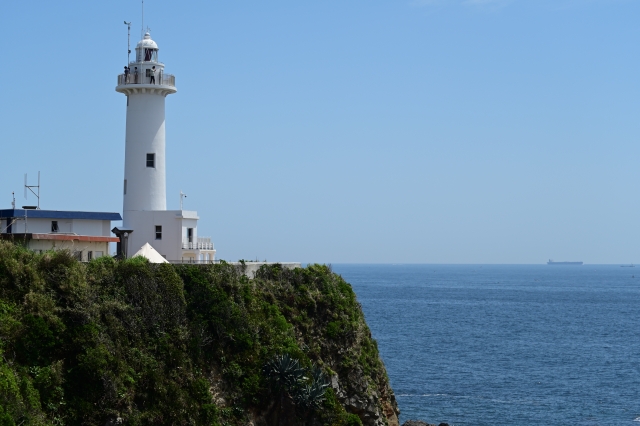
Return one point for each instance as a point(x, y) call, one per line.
point(202, 243)
point(194, 261)
point(162, 79)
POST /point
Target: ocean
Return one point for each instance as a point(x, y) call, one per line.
point(507, 344)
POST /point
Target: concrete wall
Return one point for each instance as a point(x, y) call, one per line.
point(189, 223)
point(91, 227)
point(77, 226)
point(98, 248)
point(250, 268)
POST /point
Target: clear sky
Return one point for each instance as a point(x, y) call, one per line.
point(428, 131)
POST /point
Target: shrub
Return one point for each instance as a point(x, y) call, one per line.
point(352, 420)
point(165, 344)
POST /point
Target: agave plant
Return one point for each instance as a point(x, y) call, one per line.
point(286, 376)
point(284, 372)
point(310, 395)
point(289, 379)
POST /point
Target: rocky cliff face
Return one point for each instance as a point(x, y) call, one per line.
point(132, 343)
point(373, 408)
point(330, 328)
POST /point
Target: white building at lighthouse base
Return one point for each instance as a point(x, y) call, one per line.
point(173, 233)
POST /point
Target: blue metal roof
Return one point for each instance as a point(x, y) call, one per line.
point(59, 214)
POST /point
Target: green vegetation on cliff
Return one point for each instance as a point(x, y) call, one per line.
point(135, 343)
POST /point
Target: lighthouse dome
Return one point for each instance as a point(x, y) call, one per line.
point(147, 49)
point(146, 42)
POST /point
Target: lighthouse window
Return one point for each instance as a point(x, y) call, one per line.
point(150, 55)
point(158, 232)
point(151, 160)
point(125, 187)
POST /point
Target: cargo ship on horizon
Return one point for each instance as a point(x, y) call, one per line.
point(551, 262)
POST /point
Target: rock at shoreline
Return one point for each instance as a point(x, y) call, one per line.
point(416, 423)
point(421, 423)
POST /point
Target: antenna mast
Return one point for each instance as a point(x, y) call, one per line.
point(30, 188)
point(128, 24)
point(142, 28)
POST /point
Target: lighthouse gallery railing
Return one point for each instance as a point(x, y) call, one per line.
point(162, 79)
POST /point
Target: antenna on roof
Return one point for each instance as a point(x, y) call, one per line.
point(30, 188)
point(13, 198)
point(128, 24)
point(182, 197)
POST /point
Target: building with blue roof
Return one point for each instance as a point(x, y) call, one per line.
point(86, 234)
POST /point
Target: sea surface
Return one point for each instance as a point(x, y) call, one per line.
point(507, 345)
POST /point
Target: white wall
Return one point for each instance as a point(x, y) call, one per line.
point(189, 223)
point(73, 246)
point(143, 224)
point(89, 227)
point(145, 133)
point(106, 228)
point(77, 226)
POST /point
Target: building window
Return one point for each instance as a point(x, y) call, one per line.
point(78, 255)
point(99, 254)
point(151, 160)
point(158, 232)
point(54, 226)
point(89, 255)
point(190, 235)
point(125, 187)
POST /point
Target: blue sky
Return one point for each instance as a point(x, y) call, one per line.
point(427, 131)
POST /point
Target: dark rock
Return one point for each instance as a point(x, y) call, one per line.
point(421, 423)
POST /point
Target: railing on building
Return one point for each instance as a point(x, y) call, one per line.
point(162, 79)
point(202, 243)
point(192, 261)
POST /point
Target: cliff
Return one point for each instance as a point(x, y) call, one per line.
point(133, 343)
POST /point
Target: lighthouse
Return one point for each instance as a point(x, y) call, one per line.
point(173, 233)
point(146, 87)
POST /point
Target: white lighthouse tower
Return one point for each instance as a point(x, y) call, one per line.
point(146, 87)
point(172, 233)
